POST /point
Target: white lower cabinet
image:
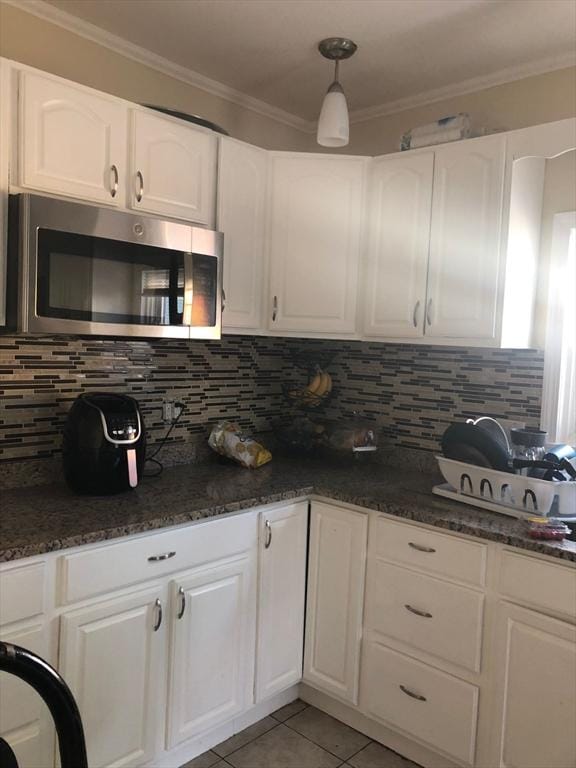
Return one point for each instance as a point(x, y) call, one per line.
point(212, 647)
point(111, 654)
point(432, 706)
point(536, 671)
point(25, 721)
point(336, 574)
point(281, 598)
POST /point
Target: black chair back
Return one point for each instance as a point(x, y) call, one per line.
point(58, 698)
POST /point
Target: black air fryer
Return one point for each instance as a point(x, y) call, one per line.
point(104, 444)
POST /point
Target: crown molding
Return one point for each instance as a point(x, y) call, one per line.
point(135, 52)
point(503, 76)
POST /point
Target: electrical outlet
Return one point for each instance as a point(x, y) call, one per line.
point(170, 411)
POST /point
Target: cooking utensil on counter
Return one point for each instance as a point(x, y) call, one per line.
point(474, 444)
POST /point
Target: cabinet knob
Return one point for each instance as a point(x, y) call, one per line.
point(268, 535)
point(274, 308)
point(114, 187)
point(415, 314)
point(140, 191)
point(158, 607)
point(182, 597)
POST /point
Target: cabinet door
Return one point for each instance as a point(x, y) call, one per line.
point(72, 140)
point(537, 685)
point(465, 239)
point(25, 722)
point(212, 647)
point(110, 656)
point(399, 236)
point(173, 168)
point(315, 226)
point(241, 217)
point(281, 598)
point(336, 574)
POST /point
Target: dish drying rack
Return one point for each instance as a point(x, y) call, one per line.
point(509, 494)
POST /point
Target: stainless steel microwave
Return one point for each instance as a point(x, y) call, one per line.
point(80, 269)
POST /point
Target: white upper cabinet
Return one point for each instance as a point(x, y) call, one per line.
point(399, 232)
point(172, 168)
point(72, 140)
point(282, 594)
point(315, 238)
point(465, 239)
point(242, 184)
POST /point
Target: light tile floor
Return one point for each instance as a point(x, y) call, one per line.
point(299, 736)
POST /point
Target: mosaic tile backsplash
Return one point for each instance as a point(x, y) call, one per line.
point(410, 392)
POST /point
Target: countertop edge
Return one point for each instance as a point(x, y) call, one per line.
point(407, 511)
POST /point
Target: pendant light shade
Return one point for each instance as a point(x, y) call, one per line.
point(333, 123)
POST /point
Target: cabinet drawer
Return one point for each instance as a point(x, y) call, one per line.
point(430, 551)
point(434, 616)
point(535, 582)
point(429, 705)
point(113, 566)
point(21, 592)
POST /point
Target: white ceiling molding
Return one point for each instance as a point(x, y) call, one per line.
point(464, 87)
point(135, 52)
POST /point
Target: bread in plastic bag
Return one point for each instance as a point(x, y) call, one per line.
point(228, 440)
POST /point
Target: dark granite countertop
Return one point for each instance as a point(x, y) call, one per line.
point(48, 518)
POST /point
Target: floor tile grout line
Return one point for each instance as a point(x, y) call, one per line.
point(248, 742)
point(320, 745)
point(325, 748)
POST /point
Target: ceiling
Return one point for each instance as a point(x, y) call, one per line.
point(267, 49)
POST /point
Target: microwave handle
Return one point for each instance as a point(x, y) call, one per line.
point(188, 288)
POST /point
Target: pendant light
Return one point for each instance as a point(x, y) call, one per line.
point(333, 124)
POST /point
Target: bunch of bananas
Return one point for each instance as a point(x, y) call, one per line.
point(319, 387)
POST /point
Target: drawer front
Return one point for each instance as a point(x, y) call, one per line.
point(538, 583)
point(429, 551)
point(434, 616)
point(114, 566)
point(21, 592)
point(429, 705)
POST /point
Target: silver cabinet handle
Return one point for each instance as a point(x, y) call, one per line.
point(268, 535)
point(223, 299)
point(274, 308)
point(420, 548)
point(418, 612)
point(182, 596)
point(163, 556)
point(158, 606)
point(412, 695)
point(415, 314)
point(429, 312)
point(140, 192)
point(114, 188)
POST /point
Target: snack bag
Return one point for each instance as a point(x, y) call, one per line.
point(227, 439)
